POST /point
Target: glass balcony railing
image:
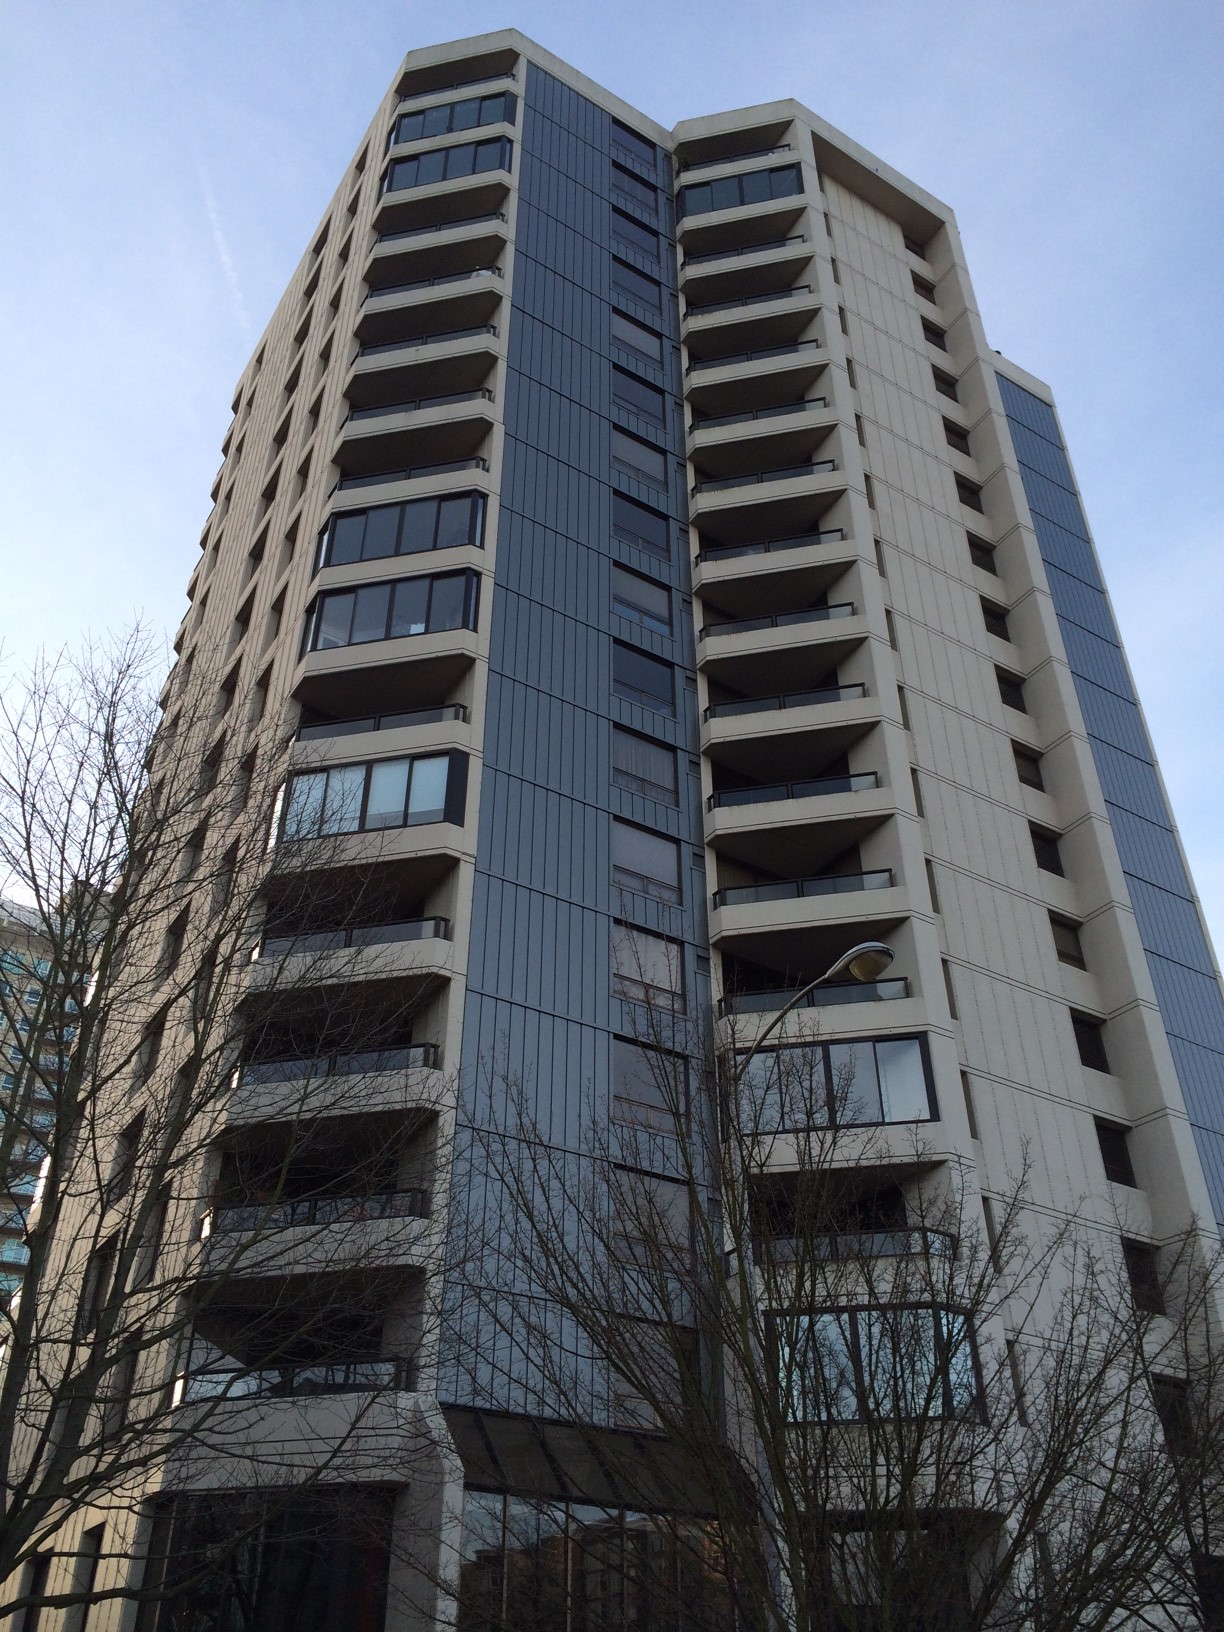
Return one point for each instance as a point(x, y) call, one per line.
point(355, 414)
point(737, 254)
point(787, 699)
point(322, 729)
point(795, 889)
point(411, 474)
point(761, 355)
point(336, 940)
point(370, 1061)
point(766, 546)
point(716, 484)
point(440, 226)
point(289, 1215)
point(709, 422)
point(287, 1382)
point(427, 339)
point(817, 788)
point(433, 283)
point(851, 991)
point(707, 307)
point(779, 620)
point(732, 158)
point(855, 1244)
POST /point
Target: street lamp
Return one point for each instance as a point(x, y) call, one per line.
point(865, 962)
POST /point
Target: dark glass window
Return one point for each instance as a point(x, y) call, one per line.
point(1143, 1272)
point(1045, 848)
point(410, 606)
point(649, 1087)
point(642, 766)
point(853, 1365)
point(1011, 690)
point(923, 287)
point(1090, 1041)
point(646, 862)
point(1028, 766)
point(642, 679)
point(627, 280)
point(995, 619)
point(641, 599)
point(448, 164)
point(957, 438)
point(1115, 1154)
point(642, 458)
point(848, 1084)
point(632, 186)
point(1171, 1397)
point(935, 336)
point(969, 493)
point(647, 968)
point(945, 384)
point(914, 247)
point(637, 396)
point(402, 529)
point(982, 554)
point(637, 524)
point(1067, 942)
point(634, 234)
point(359, 798)
point(637, 337)
point(631, 142)
point(448, 116)
point(750, 187)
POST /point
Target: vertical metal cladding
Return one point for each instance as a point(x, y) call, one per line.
point(1178, 955)
point(540, 1013)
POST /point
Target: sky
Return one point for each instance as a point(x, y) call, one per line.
point(163, 164)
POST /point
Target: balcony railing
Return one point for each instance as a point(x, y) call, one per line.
point(480, 395)
point(427, 339)
point(414, 97)
point(716, 484)
point(381, 722)
point(706, 307)
point(817, 788)
point(796, 889)
point(411, 474)
point(851, 1245)
point(733, 158)
point(370, 1061)
point(852, 991)
point(434, 283)
point(804, 405)
point(787, 699)
point(779, 620)
point(440, 226)
point(766, 546)
point(752, 356)
point(736, 254)
point(336, 940)
point(291, 1215)
point(287, 1382)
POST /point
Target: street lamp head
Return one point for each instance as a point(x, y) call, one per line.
point(865, 962)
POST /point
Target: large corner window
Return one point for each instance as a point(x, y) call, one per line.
point(630, 141)
point(448, 164)
point(409, 606)
point(384, 530)
point(635, 189)
point(446, 117)
point(387, 793)
point(846, 1084)
point(750, 187)
point(634, 234)
point(916, 1363)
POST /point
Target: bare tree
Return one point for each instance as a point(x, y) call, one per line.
point(896, 1411)
point(232, 1109)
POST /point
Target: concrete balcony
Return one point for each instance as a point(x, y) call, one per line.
point(761, 657)
point(416, 951)
point(747, 269)
point(302, 1089)
point(436, 251)
point(415, 434)
point(420, 665)
point(486, 193)
point(456, 300)
point(353, 1233)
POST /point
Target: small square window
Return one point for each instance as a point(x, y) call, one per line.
point(945, 384)
point(935, 336)
point(1171, 1397)
point(982, 554)
point(1090, 1041)
point(1028, 766)
point(924, 288)
point(957, 438)
point(995, 619)
point(1045, 848)
point(1011, 690)
point(970, 493)
point(1115, 1154)
point(1143, 1272)
point(1067, 942)
point(913, 246)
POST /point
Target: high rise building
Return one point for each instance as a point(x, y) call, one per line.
point(651, 553)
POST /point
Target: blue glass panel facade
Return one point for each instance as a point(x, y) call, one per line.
point(1178, 957)
point(540, 1012)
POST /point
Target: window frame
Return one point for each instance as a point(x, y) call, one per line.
point(316, 611)
point(478, 509)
